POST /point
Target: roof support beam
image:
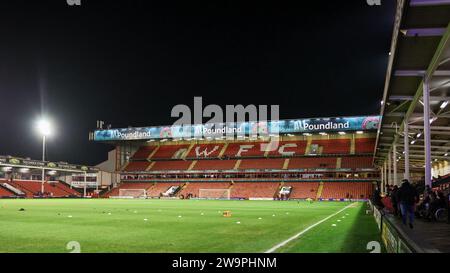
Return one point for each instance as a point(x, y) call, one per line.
point(415, 3)
point(420, 73)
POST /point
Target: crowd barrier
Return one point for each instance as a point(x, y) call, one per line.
point(394, 239)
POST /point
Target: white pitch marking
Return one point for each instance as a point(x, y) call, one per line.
point(306, 229)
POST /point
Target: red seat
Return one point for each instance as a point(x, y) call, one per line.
point(303, 190)
point(202, 165)
point(356, 162)
point(205, 150)
point(254, 189)
point(139, 166)
point(334, 146)
point(270, 163)
point(364, 145)
point(169, 151)
point(312, 163)
point(143, 152)
point(342, 190)
point(171, 165)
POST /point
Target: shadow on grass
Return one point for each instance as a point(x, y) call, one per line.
point(364, 230)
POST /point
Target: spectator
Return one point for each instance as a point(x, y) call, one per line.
point(394, 199)
point(376, 199)
point(407, 197)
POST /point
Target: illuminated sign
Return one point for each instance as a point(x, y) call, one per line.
point(217, 130)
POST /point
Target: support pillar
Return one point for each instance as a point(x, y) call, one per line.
point(394, 162)
point(406, 149)
point(426, 131)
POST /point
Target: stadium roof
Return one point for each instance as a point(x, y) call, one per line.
point(420, 50)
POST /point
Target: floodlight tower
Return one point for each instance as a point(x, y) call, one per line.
point(44, 128)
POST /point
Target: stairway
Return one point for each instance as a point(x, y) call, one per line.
point(154, 152)
point(223, 150)
point(238, 163)
point(319, 190)
point(286, 163)
point(192, 165)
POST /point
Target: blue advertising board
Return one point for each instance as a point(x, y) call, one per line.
point(292, 126)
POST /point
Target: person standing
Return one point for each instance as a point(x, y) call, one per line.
point(394, 200)
point(407, 198)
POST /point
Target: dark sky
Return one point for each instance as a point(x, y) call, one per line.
point(129, 62)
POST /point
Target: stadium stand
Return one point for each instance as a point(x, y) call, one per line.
point(261, 164)
point(342, 190)
point(334, 146)
point(303, 190)
point(254, 190)
point(115, 191)
point(158, 188)
point(205, 150)
point(170, 151)
point(170, 165)
point(356, 162)
point(209, 165)
point(5, 192)
point(143, 152)
point(202, 165)
point(289, 148)
point(244, 149)
point(364, 145)
point(51, 189)
point(193, 188)
point(312, 162)
point(137, 166)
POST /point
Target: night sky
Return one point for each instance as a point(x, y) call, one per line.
point(129, 62)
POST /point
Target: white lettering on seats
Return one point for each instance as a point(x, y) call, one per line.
point(205, 152)
point(288, 145)
point(244, 148)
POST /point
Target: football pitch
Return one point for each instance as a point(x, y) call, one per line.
point(120, 225)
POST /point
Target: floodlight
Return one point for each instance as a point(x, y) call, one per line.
point(44, 127)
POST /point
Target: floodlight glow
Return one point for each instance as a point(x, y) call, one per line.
point(359, 132)
point(44, 127)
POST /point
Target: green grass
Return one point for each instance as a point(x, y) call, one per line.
point(112, 225)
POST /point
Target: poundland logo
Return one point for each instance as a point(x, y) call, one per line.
point(306, 126)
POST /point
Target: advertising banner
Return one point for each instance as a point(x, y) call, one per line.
point(293, 126)
point(28, 163)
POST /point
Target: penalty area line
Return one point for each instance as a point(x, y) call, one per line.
point(273, 249)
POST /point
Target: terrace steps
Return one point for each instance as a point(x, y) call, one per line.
point(223, 150)
point(319, 190)
point(192, 165)
point(352, 146)
point(153, 152)
point(286, 163)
